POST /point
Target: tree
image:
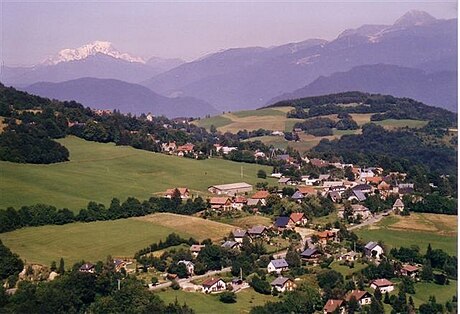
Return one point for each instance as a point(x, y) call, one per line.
point(10, 263)
point(154, 281)
point(386, 300)
point(261, 174)
point(227, 297)
point(427, 272)
point(353, 305)
point(260, 286)
point(376, 306)
point(61, 268)
point(293, 258)
point(407, 285)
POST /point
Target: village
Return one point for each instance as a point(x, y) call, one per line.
point(306, 247)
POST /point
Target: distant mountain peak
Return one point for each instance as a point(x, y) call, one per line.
point(91, 49)
point(414, 18)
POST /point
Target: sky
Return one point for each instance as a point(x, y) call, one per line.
point(31, 31)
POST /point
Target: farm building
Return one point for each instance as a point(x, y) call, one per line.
point(230, 189)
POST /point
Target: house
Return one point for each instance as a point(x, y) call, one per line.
point(196, 249)
point(257, 231)
point(328, 236)
point(334, 306)
point(239, 234)
point(311, 255)
point(335, 196)
point(184, 193)
point(119, 264)
point(239, 202)
point(254, 202)
point(366, 173)
point(384, 186)
point(365, 188)
point(221, 203)
point(298, 219)
point(358, 210)
point(307, 190)
point(282, 284)
point(277, 266)
point(324, 177)
point(372, 249)
point(338, 188)
point(284, 181)
point(398, 206)
point(276, 175)
point(363, 297)
point(278, 133)
point(349, 256)
point(319, 163)
point(169, 147)
point(285, 158)
point(374, 180)
point(282, 223)
point(262, 196)
point(189, 266)
point(410, 271)
point(297, 196)
point(357, 195)
point(330, 184)
point(259, 155)
point(211, 285)
point(227, 150)
point(384, 285)
point(308, 180)
point(87, 268)
point(230, 245)
point(405, 188)
point(230, 189)
point(185, 149)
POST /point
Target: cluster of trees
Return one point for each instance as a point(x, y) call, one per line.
point(77, 292)
point(434, 203)
point(41, 214)
point(401, 151)
point(10, 263)
point(384, 107)
point(323, 126)
point(172, 239)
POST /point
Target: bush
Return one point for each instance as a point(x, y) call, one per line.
point(227, 297)
point(175, 285)
point(261, 174)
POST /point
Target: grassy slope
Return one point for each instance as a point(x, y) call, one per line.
point(94, 241)
point(99, 172)
point(203, 303)
point(418, 229)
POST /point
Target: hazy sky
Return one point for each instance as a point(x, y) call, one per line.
point(34, 30)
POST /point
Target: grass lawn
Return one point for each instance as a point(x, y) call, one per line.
point(393, 123)
point(417, 229)
point(249, 221)
point(270, 119)
point(345, 270)
point(89, 241)
point(203, 303)
point(98, 172)
point(199, 228)
point(95, 240)
point(217, 121)
point(423, 291)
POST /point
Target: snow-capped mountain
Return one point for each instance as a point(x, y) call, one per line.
point(91, 49)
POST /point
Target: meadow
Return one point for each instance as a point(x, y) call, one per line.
point(95, 240)
point(203, 303)
point(416, 229)
point(270, 119)
point(99, 172)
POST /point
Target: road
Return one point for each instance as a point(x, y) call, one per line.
point(187, 280)
point(370, 221)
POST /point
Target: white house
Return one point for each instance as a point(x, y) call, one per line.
point(373, 247)
point(277, 266)
point(363, 297)
point(189, 266)
point(383, 285)
point(213, 285)
point(283, 284)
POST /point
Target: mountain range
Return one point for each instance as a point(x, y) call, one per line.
point(123, 96)
point(438, 88)
point(415, 57)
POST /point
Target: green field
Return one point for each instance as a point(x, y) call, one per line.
point(270, 119)
point(89, 241)
point(203, 303)
point(98, 172)
point(395, 238)
point(95, 240)
point(393, 124)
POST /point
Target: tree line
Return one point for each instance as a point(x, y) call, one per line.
point(41, 214)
